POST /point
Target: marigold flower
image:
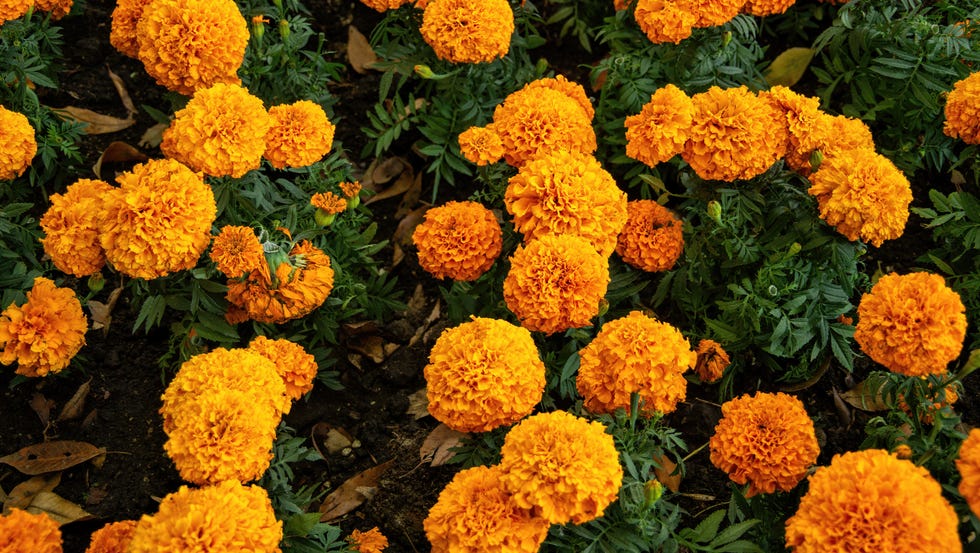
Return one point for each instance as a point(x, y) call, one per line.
point(762, 8)
point(569, 88)
point(297, 368)
point(328, 202)
point(300, 135)
point(385, 5)
point(872, 501)
point(372, 541)
point(467, 31)
point(652, 239)
point(190, 44)
point(158, 221)
point(827, 135)
point(13, 9)
point(660, 130)
point(224, 517)
point(481, 145)
point(22, 531)
point(968, 465)
point(45, 333)
point(556, 282)
point(963, 110)
point(665, 20)
point(712, 361)
point(912, 324)
point(767, 440)
point(802, 116)
point(712, 13)
point(112, 538)
point(57, 8)
point(122, 34)
point(17, 143)
point(237, 251)
point(71, 228)
point(350, 190)
point(458, 240)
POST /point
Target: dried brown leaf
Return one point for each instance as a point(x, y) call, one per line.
point(73, 409)
point(127, 102)
point(411, 198)
point(58, 508)
point(42, 406)
point(359, 52)
point(397, 256)
point(384, 173)
point(102, 312)
point(665, 472)
point(406, 227)
point(866, 396)
point(420, 331)
point(352, 493)
point(153, 136)
point(51, 456)
point(95, 123)
point(368, 345)
point(418, 404)
point(117, 152)
point(332, 439)
point(24, 493)
point(436, 449)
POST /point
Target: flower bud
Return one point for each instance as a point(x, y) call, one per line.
point(652, 491)
point(726, 39)
point(354, 201)
point(323, 218)
point(96, 282)
point(284, 28)
point(258, 27)
point(816, 158)
point(714, 211)
point(424, 71)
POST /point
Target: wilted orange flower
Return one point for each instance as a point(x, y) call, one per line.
point(42, 335)
point(963, 110)
point(21, 531)
point(665, 20)
point(660, 130)
point(17, 143)
point(968, 465)
point(712, 13)
point(158, 221)
point(912, 324)
point(112, 538)
point(372, 541)
point(220, 132)
point(122, 35)
point(328, 202)
point(300, 135)
point(237, 251)
point(71, 228)
point(350, 190)
point(483, 374)
point(468, 31)
point(224, 517)
point(653, 237)
point(712, 361)
point(385, 5)
point(190, 44)
point(458, 240)
point(872, 501)
point(57, 8)
point(767, 440)
point(762, 8)
point(481, 145)
point(296, 367)
point(826, 135)
point(556, 282)
point(564, 467)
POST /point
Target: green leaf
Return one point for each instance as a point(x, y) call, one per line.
point(707, 529)
point(788, 67)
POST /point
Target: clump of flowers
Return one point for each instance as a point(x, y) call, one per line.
point(665, 20)
point(158, 221)
point(458, 240)
point(24, 531)
point(122, 34)
point(661, 129)
point(712, 361)
point(652, 239)
point(912, 324)
point(372, 541)
point(483, 374)
point(17, 143)
point(963, 110)
point(71, 228)
point(44, 334)
point(221, 132)
point(481, 145)
point(907, 512)
point(112, 538)
point(300, 135)
point(237, 251)
point(468, 31)
point(297, 368)
point(968, 465)
point(556, 282)
point(762, 8)
point(765, 440)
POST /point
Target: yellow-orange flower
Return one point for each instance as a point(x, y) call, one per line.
point(372, 541)
point(556, 282)
point(825, 134)
point(872, 501)
point(21, 531)
point(226, 517)
point(350, 190)
point(762, 8)
point(912, 324)
point(653, 237)
point(42, 335)
point(220, 132)
point(483, 374)
point(802, 116)
point(296, 367)
point(190, 44)
point(112, 538)
point(385, 5)
point(468, 31)
point(963, 110)
point(13, 9)
point(766, 440)
point(569, 88)
point(57, 8)
point(712, 361)
point(564, 467)
point(968, 465)
point(237, 251)
point(481, 145)
point(71, 228)
point(660, 130)
point(328, 202)
point(300, 135)
point(158, 221)
point(17, 143)
point(665, 20)
point(122, 34)
point(712, 13)
point(458, 240)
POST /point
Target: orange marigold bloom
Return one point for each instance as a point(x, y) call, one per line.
point(13, 9)
point(237, 251)
point(481, 145)
point(112, 538)
point(476, 514)
point(802, 115)
point(567, 192)
point(968, 465)
point(458, 240)
point(712, 361)
point(21, 531)
point(190, 44)
point(71, 228)
point(44, 334)
point(652, 239)
point(467, 31)
point(297, 368)
point(963, 110)
point(57, 8)
point(350, 190)
point(17, 143)
point(665, 20)
point(385, 5)
point(328, 202)
point(635, 354)
point(870, 500)
point(372, 541)
point(483, 374)
point(767, 440)
point(125, 17)
point(712, 13)
point(220, 132)
point(660, 130)
point(827, 135)
point(158, 221)
point(300, 135)
point(225, 517)
point(569, 88)
point(564, 467)
point(912, 324)
point(556, 282)
point(762, 8)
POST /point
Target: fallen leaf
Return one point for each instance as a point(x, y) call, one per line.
point(73, 409)
point(334, 439)
point(411, 197)
point(843, 411)
point(788, 67)
point(420, 331)
point(23, 494)
point(866, 396)
point(58, 508)
point(397, 256)
point(415, 304)
point(352, 493)
point(665, 472)
point(360, 327)
point(369, 345)
point(418, 404)
point(96, 496)
point(406, 177)
point(42, 406)
point(359, 52)
point(406, 227)
point(438, 445)
point(51, 456)
point(153, 136)
point(95, 123)
point(117, 152)
point(117, 82)
point(102, 312)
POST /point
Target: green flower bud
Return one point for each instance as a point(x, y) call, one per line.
point(714, 211)
point(325, 219)
point(96, 282)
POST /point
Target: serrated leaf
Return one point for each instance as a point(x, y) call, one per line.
point(788, 68)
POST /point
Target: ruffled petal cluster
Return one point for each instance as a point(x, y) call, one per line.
point(665, 20)
point(912, 324)
point(556, 282)
point(458, 240)
point(237, 251)
point(300, 135)
point(765, 440)
point(158, 221)
point(44, 334)
point(872, 501)
point(385, 5)
point(662, 127)
point(968, 465)
point(762, 8)
point(57, 8)
point(483, 374)
point(112, 538)
point(712, 361)
point(712, 13)
point(963, 110)
point(825, 136)
point(481, 146)
point(13, 9)
point(17, 143)
point(468, 31)
point(328, 202)
point(802, 116)
point(122, 34)
point(295, 366)
point(71, 228)
point(372, 541)
point(637, 354)
point(21, 531)
point(652, 239)
point(569, 88)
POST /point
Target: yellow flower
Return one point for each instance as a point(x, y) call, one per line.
point(385, 5)
point(227, 517)
point(872, 501)
point(660, 130)
point(564, 467)
point(665, 20)
point(468, 31)
point(10, 10)
point(481, 145)
point(712, 361)
point(567, 192)
point(968, 465)
point(762, 8)
point(635, 354)
point(556, 282)
point(42, 335)
point(237, 251)
point(17, 143)
point(963, 110)
point(158, 221)
point(767, 440)
point(22, 532)
point(220, 132)
point(57, 8)
point(458, 240)
point(300, 135)
point(190, 44)
point(112, 538)
point(71, 228)
point(652, 239)
point(483, 374)
point(328, 202)
point(372, 541)
point(125, 17)
point(297, 368)
point(712, 13)
point(912, 324)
